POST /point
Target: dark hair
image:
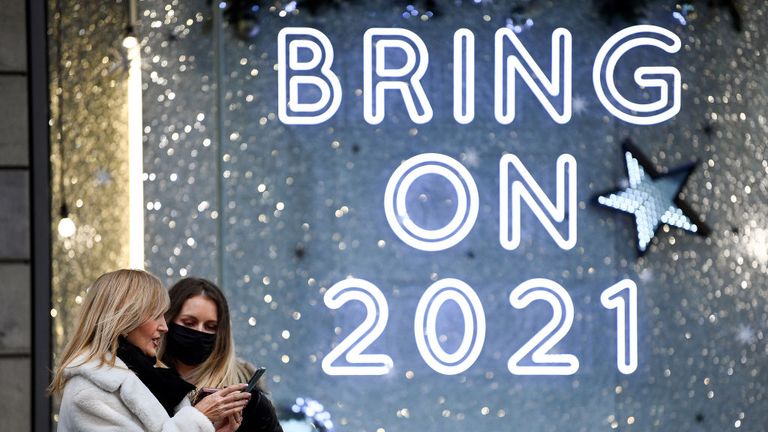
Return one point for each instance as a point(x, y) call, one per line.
point(223, 349)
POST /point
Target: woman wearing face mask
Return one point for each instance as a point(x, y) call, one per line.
point(200, 346)
point(108, 373)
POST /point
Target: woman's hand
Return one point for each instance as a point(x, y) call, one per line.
point(227, 402)
point(230, 424)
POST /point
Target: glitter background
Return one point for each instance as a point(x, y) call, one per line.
point(278, 214)
point(89, 150)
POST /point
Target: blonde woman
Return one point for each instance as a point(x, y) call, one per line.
point(199, 344)
point(108, 373)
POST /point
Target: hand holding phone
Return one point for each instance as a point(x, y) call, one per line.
point(223, 402)
point(251, 388)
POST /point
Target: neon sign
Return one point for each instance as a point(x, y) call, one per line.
point(406, 79)
point(397, 212)
point(530, 192)
point(305, 60)
point(621, 296)
point(328, 83)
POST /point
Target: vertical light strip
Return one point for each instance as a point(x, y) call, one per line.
point(135, 156)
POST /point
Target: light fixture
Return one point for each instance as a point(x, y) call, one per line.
point(66, 225)
point(130, 41)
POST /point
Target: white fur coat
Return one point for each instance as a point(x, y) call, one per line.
point(111, 399)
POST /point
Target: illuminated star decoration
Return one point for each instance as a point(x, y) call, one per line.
point(651, 199)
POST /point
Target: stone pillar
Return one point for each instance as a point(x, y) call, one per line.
point(15, 235)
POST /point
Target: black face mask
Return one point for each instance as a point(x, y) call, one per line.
point(188, 346)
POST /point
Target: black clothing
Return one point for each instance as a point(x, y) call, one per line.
point(259, 415)
point(166, 384)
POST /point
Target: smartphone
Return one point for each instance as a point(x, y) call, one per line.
point(255, 379)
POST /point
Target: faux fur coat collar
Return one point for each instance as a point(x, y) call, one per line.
point(103, 398)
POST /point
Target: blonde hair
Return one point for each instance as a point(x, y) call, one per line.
point(220, 369)
point(116, 304)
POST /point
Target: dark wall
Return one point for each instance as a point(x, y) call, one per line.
point(15, 309)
